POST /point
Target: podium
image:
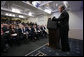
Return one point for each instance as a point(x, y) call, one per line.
point(54, 36)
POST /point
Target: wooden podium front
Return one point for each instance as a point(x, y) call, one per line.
point(54, 36)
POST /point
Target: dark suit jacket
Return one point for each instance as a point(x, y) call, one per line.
point(4, 29)
point(27, 29)
point(33, 30)
point(19, 31)
point(63, 20)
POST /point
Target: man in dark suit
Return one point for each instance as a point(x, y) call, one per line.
point(63, 25)
point(4, 28)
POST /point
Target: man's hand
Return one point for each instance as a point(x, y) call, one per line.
point(54, 19)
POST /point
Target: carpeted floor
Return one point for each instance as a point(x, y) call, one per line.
point(75, 45)
point(25, 47)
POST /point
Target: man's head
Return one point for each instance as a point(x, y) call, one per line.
point(61, 8)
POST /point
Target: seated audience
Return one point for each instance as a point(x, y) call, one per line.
point(15, 32)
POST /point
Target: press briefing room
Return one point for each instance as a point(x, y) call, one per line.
point(41, 28)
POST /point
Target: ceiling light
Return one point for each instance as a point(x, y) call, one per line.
point(15, 10)
point(30, 14)
point(13, 15)
point(56, 5)
point(7, 14)
point(48, 11)
point(47, 5)
point(21, 16)
point(34, 3)
point(10, 14)
point(65, 3)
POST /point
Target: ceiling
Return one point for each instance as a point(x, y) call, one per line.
point(6, 7)
point(72, 5)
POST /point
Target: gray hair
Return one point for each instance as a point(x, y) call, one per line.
point(63, 7)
